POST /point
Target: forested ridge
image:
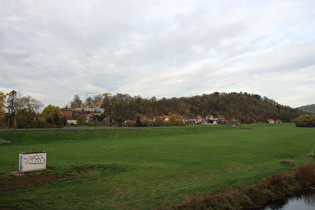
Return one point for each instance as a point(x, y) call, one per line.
point(117, 109)
point(244, 107)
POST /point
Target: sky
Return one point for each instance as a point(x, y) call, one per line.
point(55, 49)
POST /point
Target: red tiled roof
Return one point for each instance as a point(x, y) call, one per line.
point(163, 117)
point(66, 113)
point(166, 117)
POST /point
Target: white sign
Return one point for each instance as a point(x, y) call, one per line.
point(32, 161)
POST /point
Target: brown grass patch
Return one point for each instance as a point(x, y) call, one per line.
point(36, 179)
point(27, 181)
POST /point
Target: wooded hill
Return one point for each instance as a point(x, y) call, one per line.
point(308, 108)
point(243, 107)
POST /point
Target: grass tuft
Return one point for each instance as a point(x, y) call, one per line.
point(286, 162)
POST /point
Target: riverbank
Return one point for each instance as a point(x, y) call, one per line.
point(304, 201)
point(288, 183)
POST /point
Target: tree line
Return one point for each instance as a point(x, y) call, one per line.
point(244, 107)
point(22, 111)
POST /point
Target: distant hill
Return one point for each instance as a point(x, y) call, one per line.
point(243, 107)
point(308, 108)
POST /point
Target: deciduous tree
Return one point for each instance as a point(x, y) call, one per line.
point(175, 120)
point(76, 102)
point(26, 110)
point(2, 102)
point(2, 109)
point(11, 106)
point(52, 115)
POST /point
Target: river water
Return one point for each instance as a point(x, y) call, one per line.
point(305, 201)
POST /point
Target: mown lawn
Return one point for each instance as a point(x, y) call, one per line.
point(148, 168)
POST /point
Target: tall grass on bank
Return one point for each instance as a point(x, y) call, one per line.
point(147, 168)
point(257, 195)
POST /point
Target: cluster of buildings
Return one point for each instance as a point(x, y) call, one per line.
point(209, 119)
point(71, 115)
point(90, 111)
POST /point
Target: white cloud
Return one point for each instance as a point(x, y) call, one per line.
point(53, 50)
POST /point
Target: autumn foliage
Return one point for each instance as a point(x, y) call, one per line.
point(305, 120)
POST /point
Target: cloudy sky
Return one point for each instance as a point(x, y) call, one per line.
point(54, 49)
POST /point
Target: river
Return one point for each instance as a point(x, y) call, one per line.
point(305, 201)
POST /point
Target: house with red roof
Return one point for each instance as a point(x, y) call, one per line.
point(157, 118)
point(88, 117)
point(209, 117)
point(166, 118)
point(199, 119)
point(69, 116)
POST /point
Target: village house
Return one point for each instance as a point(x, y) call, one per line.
point(88, 117)
point(185, 119)
point(157, 118)
point(68, 114)
point(215, 120)
point(166, 118)
point(209, 117)
point(199, 119)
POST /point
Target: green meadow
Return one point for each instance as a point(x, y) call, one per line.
point(146, 168)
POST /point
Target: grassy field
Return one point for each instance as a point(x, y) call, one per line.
point(146, 168)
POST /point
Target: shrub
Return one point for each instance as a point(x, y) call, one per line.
point(305, 174)
point(129, 123)
point(81, 120)
point(305, 120)
point(94, 123)
point(158, 122)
